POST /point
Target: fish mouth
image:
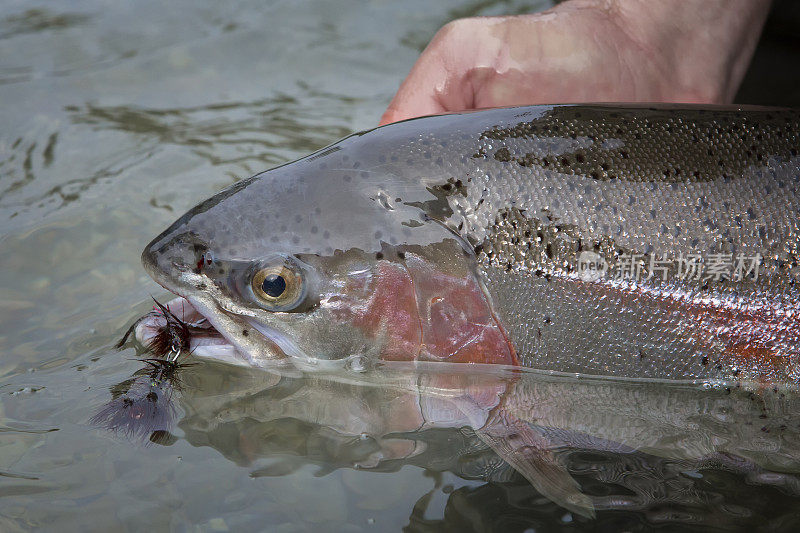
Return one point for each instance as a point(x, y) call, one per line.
point(203, 339)
point(200, 335)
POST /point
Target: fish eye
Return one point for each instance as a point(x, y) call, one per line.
point(278, 287)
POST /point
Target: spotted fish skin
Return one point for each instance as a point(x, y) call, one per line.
point(527, 192)
point(656, 183)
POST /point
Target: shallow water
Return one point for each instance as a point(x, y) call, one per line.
point(116, 119)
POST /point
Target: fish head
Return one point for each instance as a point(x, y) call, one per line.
point(318, 265)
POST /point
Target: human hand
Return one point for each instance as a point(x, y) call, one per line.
point(693, 51)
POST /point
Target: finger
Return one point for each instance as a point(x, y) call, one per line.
point(417, 95)
point(434, 84)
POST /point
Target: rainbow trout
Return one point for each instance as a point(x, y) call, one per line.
point(615, 241)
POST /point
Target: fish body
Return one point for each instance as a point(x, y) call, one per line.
point(465, 238)
point(642, 243)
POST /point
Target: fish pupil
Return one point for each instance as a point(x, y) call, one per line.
point(273, 285)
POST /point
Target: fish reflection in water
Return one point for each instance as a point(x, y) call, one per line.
point(594, 444)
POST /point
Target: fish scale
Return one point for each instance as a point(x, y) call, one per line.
point(694, 145)
point(642, 200)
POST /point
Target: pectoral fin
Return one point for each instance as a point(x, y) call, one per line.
point(530, 454)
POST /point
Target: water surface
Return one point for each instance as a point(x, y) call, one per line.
point(115, 119)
